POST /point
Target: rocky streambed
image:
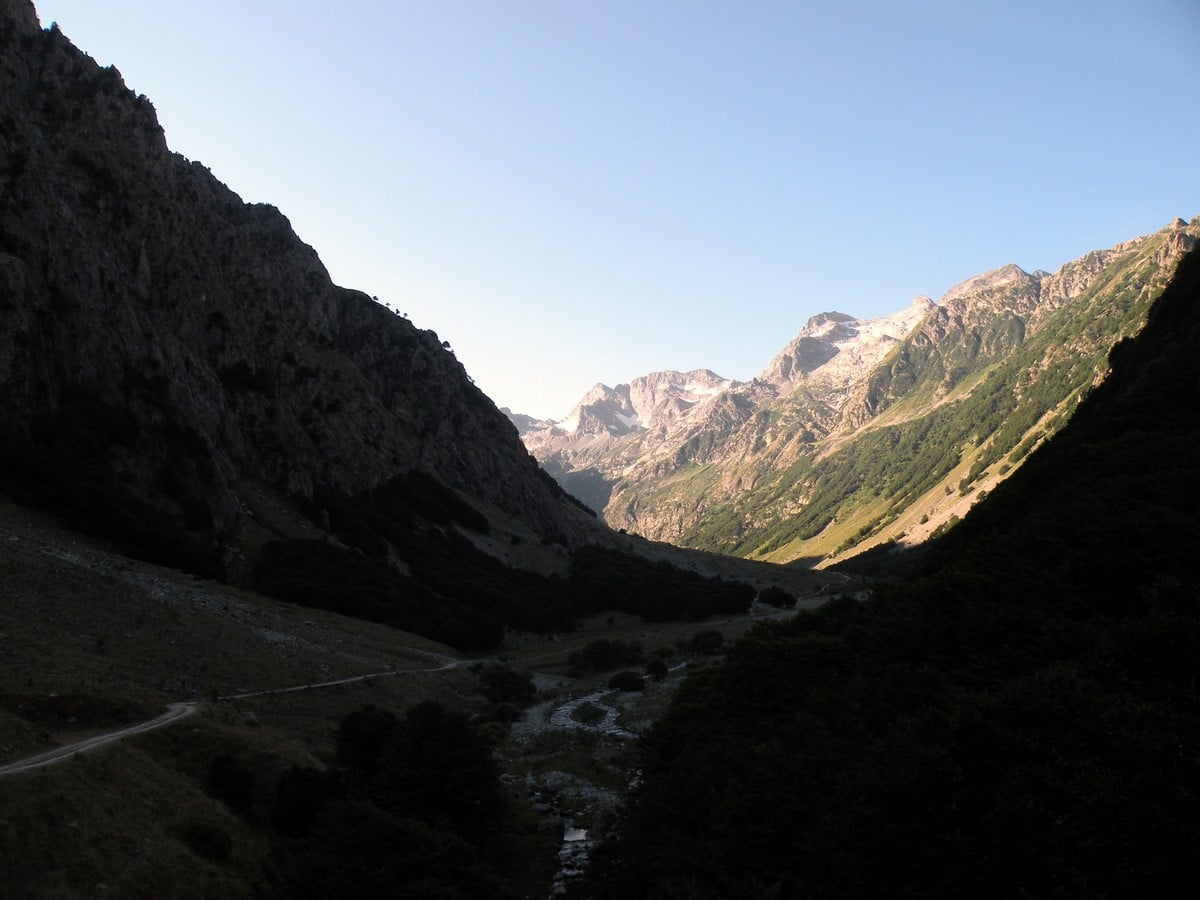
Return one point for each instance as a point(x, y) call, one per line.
point(578, 750)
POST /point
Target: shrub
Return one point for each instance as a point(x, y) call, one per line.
point(708, 641)
point(208, 840)
point(231, 782)
point(300, 796)
point(602, 654)
point(776, 596)
point(657, 669)
point(503, 684)
point(626, 681)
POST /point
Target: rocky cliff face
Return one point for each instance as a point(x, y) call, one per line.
point(858, 424)
point(165, 339)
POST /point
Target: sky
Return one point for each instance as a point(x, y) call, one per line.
point(575, 192)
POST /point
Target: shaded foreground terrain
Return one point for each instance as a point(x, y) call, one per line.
point(1017, 719)
point(422, 771)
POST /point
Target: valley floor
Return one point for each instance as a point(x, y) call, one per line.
point(93, 644)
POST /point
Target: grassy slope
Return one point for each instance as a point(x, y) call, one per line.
point(931, 452)
point(90, 641)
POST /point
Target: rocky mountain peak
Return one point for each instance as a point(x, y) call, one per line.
point(602, 410)
point(1003, 280)
point(834, 349)
point(663, 397)
point(647, 402)
point(829, 325)
point(522, 422)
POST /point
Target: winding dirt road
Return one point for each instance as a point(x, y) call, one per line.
point(178, 711)
point(174, 712)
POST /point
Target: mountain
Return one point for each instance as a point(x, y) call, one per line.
point(1012, 721)
point(181, 376)
point(834, 349)
point(659, 403)
point(862, 433)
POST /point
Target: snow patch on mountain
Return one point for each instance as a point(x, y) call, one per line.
point(833, 349)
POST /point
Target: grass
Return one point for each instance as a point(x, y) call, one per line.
point(90, 641)
point(116, 822)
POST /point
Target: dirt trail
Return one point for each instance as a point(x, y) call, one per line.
point(178, 711)
point(174, 712)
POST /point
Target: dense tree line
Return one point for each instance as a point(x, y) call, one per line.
point(606, 579)
point(458, 594)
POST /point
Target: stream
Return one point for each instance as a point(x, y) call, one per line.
point(551, 788)
point(564, 716)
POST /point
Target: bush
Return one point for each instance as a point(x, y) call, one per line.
point(231, 782)
point(776, 596)
point(300, 796)
point(626, 681)
point(208, 840)
point(504, 684)
point(362, 735)
point(602, 654)
point(708, 641)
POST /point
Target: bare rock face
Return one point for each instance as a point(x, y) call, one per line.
point(178, 343)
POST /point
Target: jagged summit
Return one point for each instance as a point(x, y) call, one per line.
point(1011, 280)
point(648, 402)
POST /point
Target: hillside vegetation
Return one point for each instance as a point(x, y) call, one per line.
point(1016, 720)
point(889, 447)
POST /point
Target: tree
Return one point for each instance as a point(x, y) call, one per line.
point(438, 768)
point(626, 681)
point(231, 782)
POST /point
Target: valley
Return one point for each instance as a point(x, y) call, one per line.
point(398, 653)
point(93, 643)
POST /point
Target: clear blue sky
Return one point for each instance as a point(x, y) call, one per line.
point(573, 191)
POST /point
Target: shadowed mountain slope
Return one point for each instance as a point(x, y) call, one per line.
point(181, 378)
point(172, 358)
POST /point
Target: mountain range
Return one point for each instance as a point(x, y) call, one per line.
point(183, 380)
point(859, 432)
